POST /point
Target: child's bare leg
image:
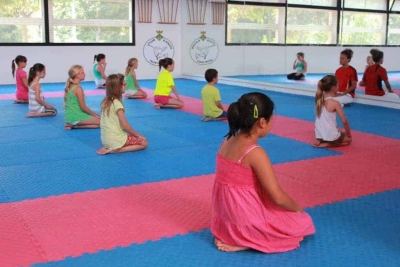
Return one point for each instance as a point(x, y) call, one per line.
point(103, 151)
point(228, 248)
point(43, 114)
point(173, 103)
point(21, 101)
point(137, 95)
point(92, 123)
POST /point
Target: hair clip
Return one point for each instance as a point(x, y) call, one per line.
point(255, 112)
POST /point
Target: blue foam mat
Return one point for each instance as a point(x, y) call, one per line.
point(69, 155)
point(349, 233)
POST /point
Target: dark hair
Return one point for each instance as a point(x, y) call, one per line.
point(165, 62)
point(377, 55)
point(210, 75)
point(243, 114)
point(38, 67)
point(348, 53)
point(300, 54)
point(99, 57)
point(17, 60)
point(324, 85)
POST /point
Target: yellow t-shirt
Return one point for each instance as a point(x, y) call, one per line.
point(112, 134)
point(164, 83)
point(210, 95)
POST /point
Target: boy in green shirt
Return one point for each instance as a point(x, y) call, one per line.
point(212, 107)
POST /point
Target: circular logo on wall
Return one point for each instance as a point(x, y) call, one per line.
point(204, 50)
point(158, 48)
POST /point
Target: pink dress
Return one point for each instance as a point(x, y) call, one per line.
point(22, 91)
point(243, 215)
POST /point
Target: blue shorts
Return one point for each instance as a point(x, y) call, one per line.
point(223, 115)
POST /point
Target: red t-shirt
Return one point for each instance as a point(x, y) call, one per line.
point(345, 77)
point(373, 77)
point(22, 91)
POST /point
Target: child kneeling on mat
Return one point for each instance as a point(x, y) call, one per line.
point(212, 107)
point(249, 208)
point(117, 135)
point(327, 134)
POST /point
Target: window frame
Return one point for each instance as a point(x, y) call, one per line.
point(337, 8)
point(46, 31)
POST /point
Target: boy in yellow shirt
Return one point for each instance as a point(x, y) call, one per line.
point(212, 107)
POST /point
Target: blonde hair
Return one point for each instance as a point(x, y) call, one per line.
point(114, 83)
point(131, 62)
point(324, 85)
point(73, 71)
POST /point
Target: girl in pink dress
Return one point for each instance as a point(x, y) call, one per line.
point(250, 210)
point(21, 80)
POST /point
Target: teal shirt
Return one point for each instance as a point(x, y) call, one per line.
point(299, 66)
point(96, 73)
point(72, 109)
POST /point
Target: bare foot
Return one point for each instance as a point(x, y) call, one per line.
point(103, 151)
point(157, 106)
point(68, 126)
point(126, 96)
point(227, 248)
point(318, 144)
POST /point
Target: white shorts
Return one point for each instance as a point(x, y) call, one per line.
point(131, 91)
point(344, 99)
point(100, 82)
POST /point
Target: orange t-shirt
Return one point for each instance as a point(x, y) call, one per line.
point(373, 77)
point(345, 77)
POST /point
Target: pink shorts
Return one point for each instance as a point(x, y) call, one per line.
point(162, 99)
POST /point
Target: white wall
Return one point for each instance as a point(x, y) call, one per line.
point(232, 60)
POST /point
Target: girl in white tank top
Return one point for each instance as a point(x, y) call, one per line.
point(327, 133)
point(37, 106)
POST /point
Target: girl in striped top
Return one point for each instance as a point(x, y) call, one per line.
point(37, 106)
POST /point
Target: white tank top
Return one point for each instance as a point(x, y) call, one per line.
point(326, 126)
point(34, 106)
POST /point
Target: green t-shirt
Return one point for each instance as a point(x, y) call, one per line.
point(72, 109)
point(210, 95)
point(130, 82)
point(112, 134)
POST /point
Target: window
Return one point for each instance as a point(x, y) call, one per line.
point(363, 28)
point(311, 26)
point(21, 21)
point(67, 21)
point(255, 24)
point(95, 21)
point(395, 6)
point(330, 3)
point(366, 4)
point(394, 30)
point(259, 1)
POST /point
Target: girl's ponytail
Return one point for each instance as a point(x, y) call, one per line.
point(234, 119)
point(31, 75)
point(161, 63)
point(319, 99)
point(13, 68)
point(95, 58)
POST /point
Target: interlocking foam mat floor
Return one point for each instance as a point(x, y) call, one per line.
point(61, 204)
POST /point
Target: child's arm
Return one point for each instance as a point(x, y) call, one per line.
point(260, 163)
point(82, 104)
point(219, 105)
point(25, 82)
point(125, 125)
point(37, 87)
point(102, 70)
point(133, 73)
point(295, 64)
point(175, 92)
point(345, 122)
point(388, 86)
